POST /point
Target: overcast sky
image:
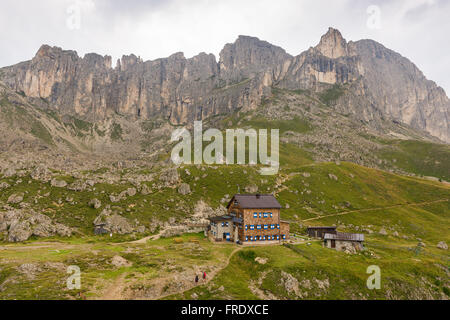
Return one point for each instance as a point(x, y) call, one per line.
point(417, 29)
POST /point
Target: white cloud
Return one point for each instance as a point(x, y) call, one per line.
point(417, 29)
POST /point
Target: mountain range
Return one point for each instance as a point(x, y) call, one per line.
point(380, 83)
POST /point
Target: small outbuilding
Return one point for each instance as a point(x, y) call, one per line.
point(350, 242)
point(319, 232)
point(100, 229)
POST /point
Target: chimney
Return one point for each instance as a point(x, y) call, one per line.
point(258, 196)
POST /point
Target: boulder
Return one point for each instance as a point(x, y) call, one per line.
point(442, 245)
point(169, 177)
point(4, 185)
point(95, 203)
point(261, 260)
point(145, 190)
point(184, 189)
point(113, 223)
point(58, 183)
point(332, 177)
point(131, 192)
point(251, 188)
point(41, 173)
point(15, 198)
point(119, 262)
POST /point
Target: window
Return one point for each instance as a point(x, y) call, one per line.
point(260, 214)
point(263, 238)
point(266, 226)
point(272, 226)
point(252, 227)
point(265, 215)
point(246, 238)
point(278, 226)
point(284, 236)
point(271, 215)
point(246, 227)
point(258, 227)
point(278, 237)
point(255, 214)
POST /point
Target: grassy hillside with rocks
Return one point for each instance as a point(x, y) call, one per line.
point(404, 219)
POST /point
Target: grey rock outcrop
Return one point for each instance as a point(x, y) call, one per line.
point(21, 224)
point(113, 222)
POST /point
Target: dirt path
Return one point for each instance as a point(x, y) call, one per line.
point(115, 290)
point(378, 208)
point(209, 277)
point(145, 239)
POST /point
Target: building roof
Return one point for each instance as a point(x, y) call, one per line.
point(220, 218)
point(322, 228)
point(344, 236)
point(255, 201)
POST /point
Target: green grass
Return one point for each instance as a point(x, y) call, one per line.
point(328, 274)
point(116, 132)
point(332, 94)
point(422, 158)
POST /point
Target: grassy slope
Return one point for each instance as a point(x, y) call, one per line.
point(422, 158)
point(408, 273)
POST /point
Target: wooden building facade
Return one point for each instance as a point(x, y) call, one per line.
point(252, 219)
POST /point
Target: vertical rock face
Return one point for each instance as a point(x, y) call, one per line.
point(332, 44)
point(382, 83)
point(248, 57)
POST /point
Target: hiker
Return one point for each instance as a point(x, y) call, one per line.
point(196, 279)
point(204, 275)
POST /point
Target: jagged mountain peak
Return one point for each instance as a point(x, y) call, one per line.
point(332, 44)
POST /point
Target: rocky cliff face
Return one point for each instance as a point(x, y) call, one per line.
point(382, 84)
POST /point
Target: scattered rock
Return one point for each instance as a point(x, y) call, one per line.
point(4, 185)
point(95, 203)
point(251, 188)
point(261, 260)
point(113, 223)
point(169, 177)
point(9, 172)
point(29, 269)
point(306, 174)
point(15, 198)
point(184, 189)
point(58, 183)
point(442, 245)
point(131, 192)
point(145, 190)
point(332, 177)
point(119, 262)
point(383, 231)
point(41, 173)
